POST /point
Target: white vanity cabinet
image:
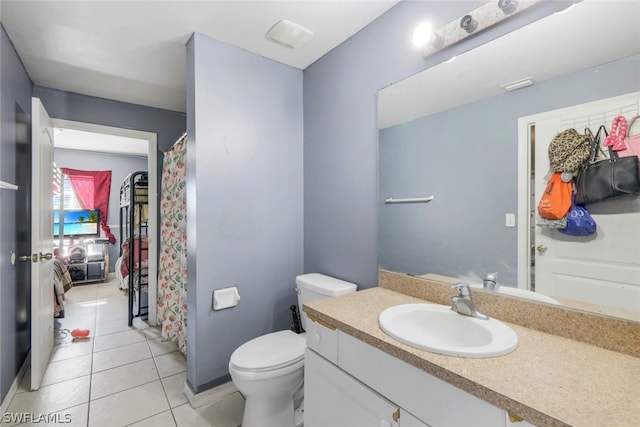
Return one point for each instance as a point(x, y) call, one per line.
point(362, 386)
point(334, 398)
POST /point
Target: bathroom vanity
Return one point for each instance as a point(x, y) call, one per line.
point(355, 374)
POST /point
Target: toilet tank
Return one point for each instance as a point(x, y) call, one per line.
point(315, 286)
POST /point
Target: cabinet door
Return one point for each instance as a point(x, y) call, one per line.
point(408, 420)
point(334, 398)
point(431, 399)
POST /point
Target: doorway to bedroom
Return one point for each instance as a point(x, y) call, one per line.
point(92, 148)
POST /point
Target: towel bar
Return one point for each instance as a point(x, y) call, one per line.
point(410, 200)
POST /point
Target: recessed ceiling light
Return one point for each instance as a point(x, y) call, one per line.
point(422, 34)
point(289, 34)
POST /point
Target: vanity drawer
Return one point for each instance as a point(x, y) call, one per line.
point(430, 399)
point(322, 338)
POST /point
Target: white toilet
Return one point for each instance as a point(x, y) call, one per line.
point(269, 370)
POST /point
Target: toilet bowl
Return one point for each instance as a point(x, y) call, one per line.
point(269, 369)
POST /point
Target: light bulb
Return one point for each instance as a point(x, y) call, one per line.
point(422, 34)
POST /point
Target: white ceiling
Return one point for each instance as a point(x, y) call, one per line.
point(134, 51)
point(556, 45)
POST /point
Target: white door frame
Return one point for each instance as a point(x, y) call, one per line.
point(152, 168)
point(524, 183)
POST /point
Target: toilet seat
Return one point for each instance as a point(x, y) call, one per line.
point(269, 352)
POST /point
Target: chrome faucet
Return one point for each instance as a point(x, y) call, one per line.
point(463, 303)
point(491, 282)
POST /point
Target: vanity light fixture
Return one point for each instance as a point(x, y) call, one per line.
point(518, 84)
point(289, 34)
point(508, 6)
point(437, 41)
point(468, 23)
point(477, 20)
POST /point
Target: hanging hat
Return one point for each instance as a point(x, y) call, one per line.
point(568, 150)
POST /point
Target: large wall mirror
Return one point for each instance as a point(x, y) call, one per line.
point(452, 132)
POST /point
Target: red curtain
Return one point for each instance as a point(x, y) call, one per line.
point(92, 188)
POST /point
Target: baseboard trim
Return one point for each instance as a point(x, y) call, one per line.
point(196, 400)
point(14, 386)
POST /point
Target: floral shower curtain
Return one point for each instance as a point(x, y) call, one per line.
point(172, 277)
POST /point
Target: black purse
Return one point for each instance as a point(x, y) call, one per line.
point(599, 180)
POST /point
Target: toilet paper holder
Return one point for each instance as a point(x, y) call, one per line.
point(225, 298)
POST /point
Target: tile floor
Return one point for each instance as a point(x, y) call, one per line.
point(122, 376)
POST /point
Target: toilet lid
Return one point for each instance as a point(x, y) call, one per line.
point(275, 350)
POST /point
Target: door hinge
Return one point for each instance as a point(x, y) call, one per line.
point(396, 415)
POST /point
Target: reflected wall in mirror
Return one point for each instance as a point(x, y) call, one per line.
point(452, 132)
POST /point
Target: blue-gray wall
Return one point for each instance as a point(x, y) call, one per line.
point(340, 155)
point(245, 151)
point(467, 157)
point(120, 166)
point(168, 125)
point(15, 89)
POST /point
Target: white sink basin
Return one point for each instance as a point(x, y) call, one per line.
point(438, 329)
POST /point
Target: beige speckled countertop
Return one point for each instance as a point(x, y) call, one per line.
point(548, 380)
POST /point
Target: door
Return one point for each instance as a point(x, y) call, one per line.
point(603, 269)
point(41, 242)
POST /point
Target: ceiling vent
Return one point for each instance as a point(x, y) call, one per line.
point(289, 34)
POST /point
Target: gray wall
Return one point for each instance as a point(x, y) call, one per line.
point(340, 157)
point(467, 157)
point(120, 166)
point(168, 125)
point(245, 151)
point(15, 88)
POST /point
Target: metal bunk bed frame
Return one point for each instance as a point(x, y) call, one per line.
point(134, 192)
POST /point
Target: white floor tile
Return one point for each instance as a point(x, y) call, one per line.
point(170, 364)
point(164, 419)
point(111, 312)
point(159, 346)
point(67, 369)
point(52, 398)
point(118, 339)
point(128, 407)
point(106, 327)
point(152, 332)
point(120, 356)
point(71, 349)
point(174, 388)
point(226, 412)
point(122, 378)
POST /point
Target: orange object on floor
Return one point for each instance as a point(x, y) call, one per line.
point(80, 333)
